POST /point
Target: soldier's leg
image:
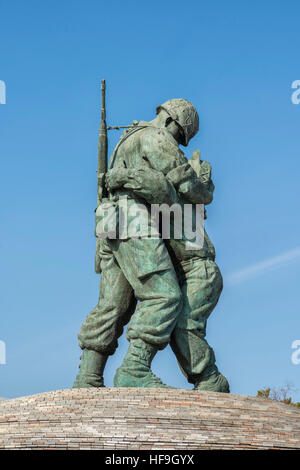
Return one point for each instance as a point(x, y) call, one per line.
point(98, 336)
point(201, 285)
point(149, 270)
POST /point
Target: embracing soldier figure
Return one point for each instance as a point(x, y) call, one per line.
point(165, 290)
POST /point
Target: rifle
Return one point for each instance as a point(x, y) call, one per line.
point(102, 162)
point(102, 166)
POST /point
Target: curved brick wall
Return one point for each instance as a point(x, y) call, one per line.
point(130, 418)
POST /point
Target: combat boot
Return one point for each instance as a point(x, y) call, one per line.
point(91, 369)
point(135, 370)
point(212, 381)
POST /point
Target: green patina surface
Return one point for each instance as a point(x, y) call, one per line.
point(163, 290)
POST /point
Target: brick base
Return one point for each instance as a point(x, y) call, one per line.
point(136, 418)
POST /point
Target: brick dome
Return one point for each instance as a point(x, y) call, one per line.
point(131, 418)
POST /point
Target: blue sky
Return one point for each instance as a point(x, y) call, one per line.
point(236, 62)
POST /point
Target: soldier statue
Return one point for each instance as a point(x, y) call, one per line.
point(163, 289)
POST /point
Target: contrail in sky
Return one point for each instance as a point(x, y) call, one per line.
point(259, 268)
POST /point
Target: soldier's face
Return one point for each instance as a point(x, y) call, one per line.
point(175, 130)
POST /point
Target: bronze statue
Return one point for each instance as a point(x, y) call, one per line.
point(163, 286)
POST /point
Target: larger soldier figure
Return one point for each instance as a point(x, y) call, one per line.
point(165, 291)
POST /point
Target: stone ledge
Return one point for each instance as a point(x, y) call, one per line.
point(137, 418)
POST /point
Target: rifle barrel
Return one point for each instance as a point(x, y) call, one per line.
point(103, 144)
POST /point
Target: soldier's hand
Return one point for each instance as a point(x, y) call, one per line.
point(128, 178)
point(195, 162)
point(180, 174)
point(116, 178)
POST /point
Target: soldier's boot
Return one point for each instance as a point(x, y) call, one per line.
point(197, 360)
point(213, 381)
point(91, 369)
point(135, 370)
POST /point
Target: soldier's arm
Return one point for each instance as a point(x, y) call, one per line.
point(197, 189)
point(156, 188)
point(146, 183)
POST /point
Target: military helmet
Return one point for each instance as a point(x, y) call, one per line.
point(184, 113)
